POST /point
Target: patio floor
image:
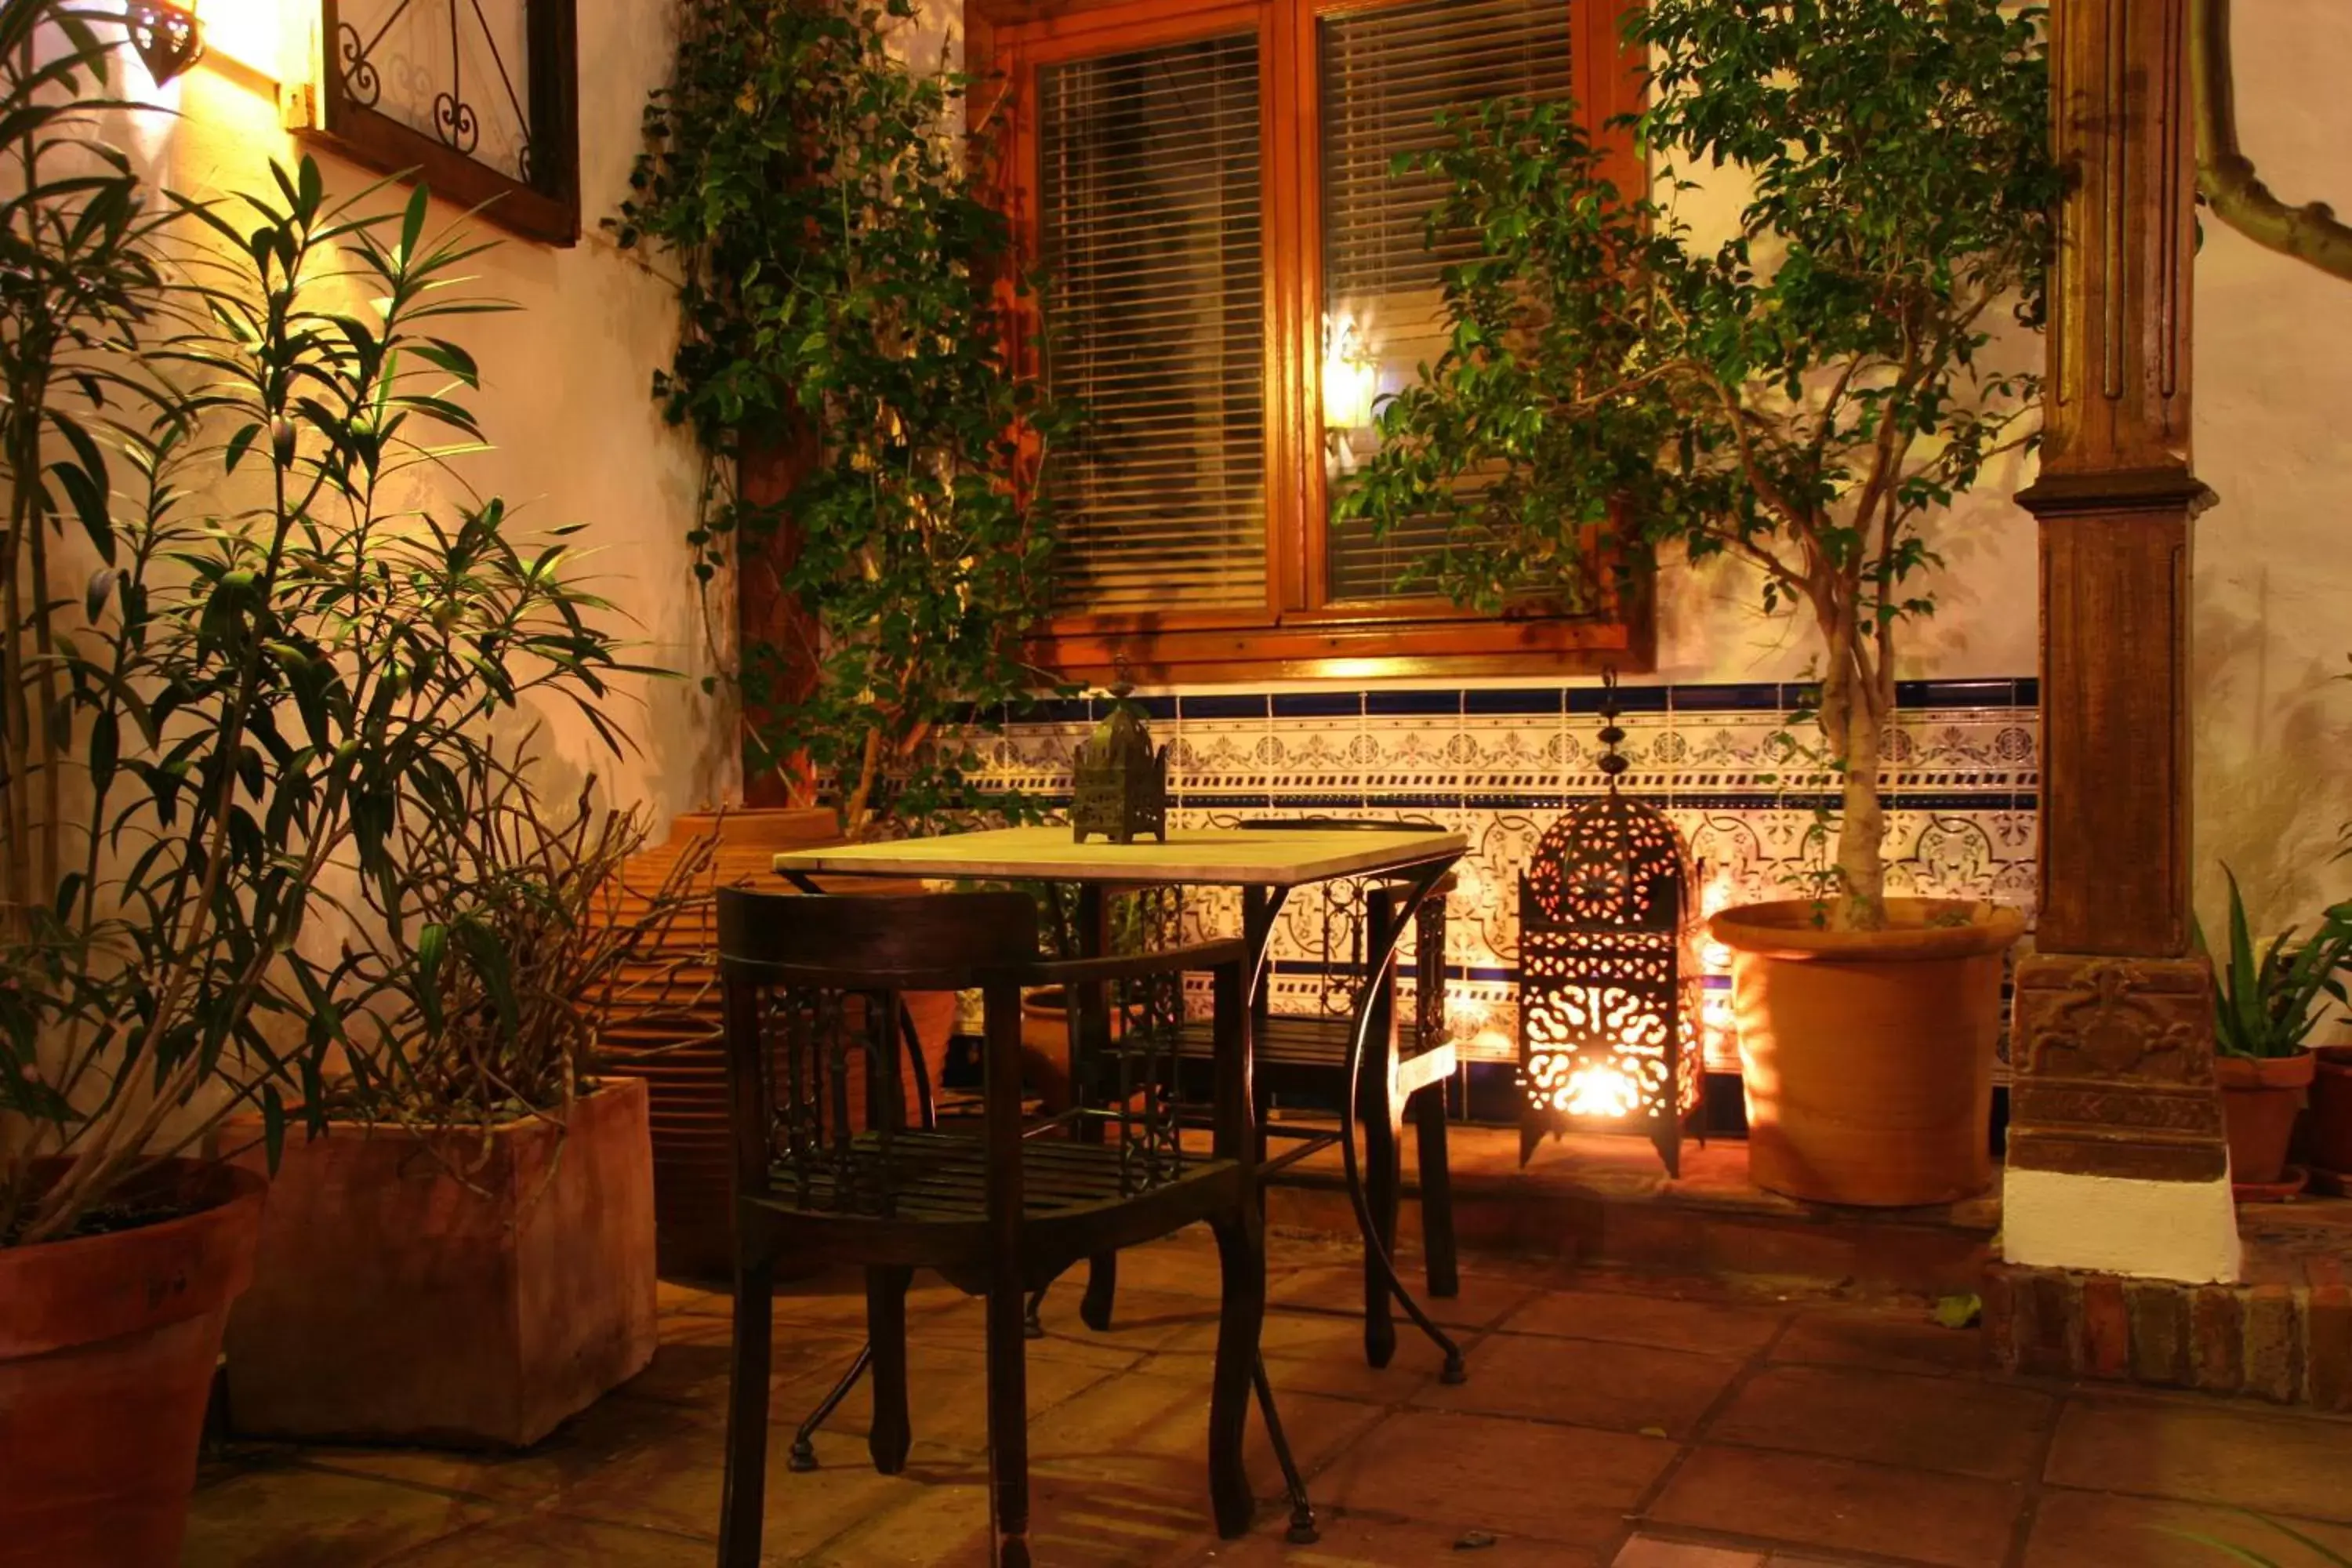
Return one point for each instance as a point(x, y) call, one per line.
point(1614, 1419)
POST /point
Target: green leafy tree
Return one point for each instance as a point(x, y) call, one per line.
point(849, 299)
point(1803, 395)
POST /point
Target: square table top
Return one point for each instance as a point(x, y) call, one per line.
point(1228, 857)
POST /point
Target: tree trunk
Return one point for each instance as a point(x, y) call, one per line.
point(1860, 901)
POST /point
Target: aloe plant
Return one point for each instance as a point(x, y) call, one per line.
point(2267, 1005)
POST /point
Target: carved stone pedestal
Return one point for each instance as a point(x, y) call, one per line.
point(2117, 1160)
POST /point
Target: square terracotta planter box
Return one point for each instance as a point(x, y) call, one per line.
point(391, 1303)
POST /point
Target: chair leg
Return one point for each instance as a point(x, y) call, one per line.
point(1383, 1176)
point(803, 1452)
point(891, 1434)
point(1437, 1192)
point(1102, 1285)
point(1241, 1254)
point(1008, 1427)
point(743, 1492)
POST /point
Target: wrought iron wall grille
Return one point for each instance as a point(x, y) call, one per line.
point(476, 99)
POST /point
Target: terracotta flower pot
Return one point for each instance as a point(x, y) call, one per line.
point(1868, 1056)
point(2331, 1110)
point(665, 1022)
point(2260, 1098)
point(107, 1345)
point(392, 1303)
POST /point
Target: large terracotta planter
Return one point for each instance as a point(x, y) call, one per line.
point(107, 1345)
point(2331, 1110)
point(665, 1022)
point(2260, 1098)
point(392, 1302)
point(1868, 1056)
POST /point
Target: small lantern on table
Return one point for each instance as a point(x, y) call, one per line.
point(1608, 983)
point(1119, 784)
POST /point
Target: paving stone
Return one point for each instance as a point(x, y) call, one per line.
point(1709, 1326)
point(1322, 1353)
point(1485, 1299)
point(2204, 1452)
point(1461, 1472)
point(2092, 1529)
point(1631, 1388)
point(545, 1539)
point(604, 1434)
point(1880, 1339)
point(1933, 1424)
point(1355, 1540)
point(1657, 1552)
point(289, 1516)
point(1960, 1521)
point(947, 1395)
point(1080, 1524)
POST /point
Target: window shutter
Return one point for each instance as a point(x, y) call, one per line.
point(1385, 77)
point(1148, 207)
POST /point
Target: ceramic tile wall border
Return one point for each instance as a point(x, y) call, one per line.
point(1727, 762)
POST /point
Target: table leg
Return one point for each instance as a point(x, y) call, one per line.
point(1382, 1133)
point(1090, 1026)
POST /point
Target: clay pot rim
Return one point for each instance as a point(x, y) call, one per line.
point(2265, 1072)
point(220, 1182)
point(1783, 928)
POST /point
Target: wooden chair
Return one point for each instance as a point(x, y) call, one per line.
point(812, 990)
point(1400, 1076)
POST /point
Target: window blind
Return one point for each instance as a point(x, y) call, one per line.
point(1385, 77)
point(1148, 197)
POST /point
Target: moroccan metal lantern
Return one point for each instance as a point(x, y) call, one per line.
point(1120, 787)
point(1609, 1010)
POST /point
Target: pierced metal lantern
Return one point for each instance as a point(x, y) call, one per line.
point(1120, 784)
point(1609, 1006)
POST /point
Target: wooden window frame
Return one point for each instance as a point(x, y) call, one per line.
point(547, 209)
point(1298, 634)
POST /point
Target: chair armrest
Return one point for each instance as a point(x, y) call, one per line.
point(1196, 955)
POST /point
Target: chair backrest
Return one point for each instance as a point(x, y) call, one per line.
point(1346, 904)
point(813, 985)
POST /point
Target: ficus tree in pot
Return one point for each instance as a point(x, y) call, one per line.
point(1803, 395)
point(850, 299)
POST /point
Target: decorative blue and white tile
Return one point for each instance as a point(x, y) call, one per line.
point(1736, 767)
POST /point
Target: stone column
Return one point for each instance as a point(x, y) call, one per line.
point(2115, 1156)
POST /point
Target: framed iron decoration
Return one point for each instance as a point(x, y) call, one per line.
point(1609, 1010)
point(476, 99)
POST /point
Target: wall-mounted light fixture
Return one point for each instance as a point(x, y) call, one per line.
point(167, 38)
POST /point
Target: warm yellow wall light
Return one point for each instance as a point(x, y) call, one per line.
point(1351, 376)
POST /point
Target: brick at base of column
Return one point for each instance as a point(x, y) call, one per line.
point(2290, 1345)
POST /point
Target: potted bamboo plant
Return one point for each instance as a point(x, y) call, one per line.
point(206, 708)
point(1802, 397)
point(2265, 1009)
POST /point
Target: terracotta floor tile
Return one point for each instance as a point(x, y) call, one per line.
point(2211, 1454)
point(603, 1435)
point(1322, 1353)
point(2092, 1530)
point(1461, 1472)
point(692, 1364)
point(293, 1517)
point(1842, 1506)
point(1932, 1424)
point(1141, 1318)
point(947, 1395)
point(1150, 1432)
point(546, 1539)
point(1657, 1552)
point(1632, 1388)
point(1339, 1288)
point(1354, 1541)
point(1883, 1339)
point(1710, 1326)
point(1082, 1525)
point(678, 1487)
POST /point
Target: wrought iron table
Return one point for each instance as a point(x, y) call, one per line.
point(1268, 866)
